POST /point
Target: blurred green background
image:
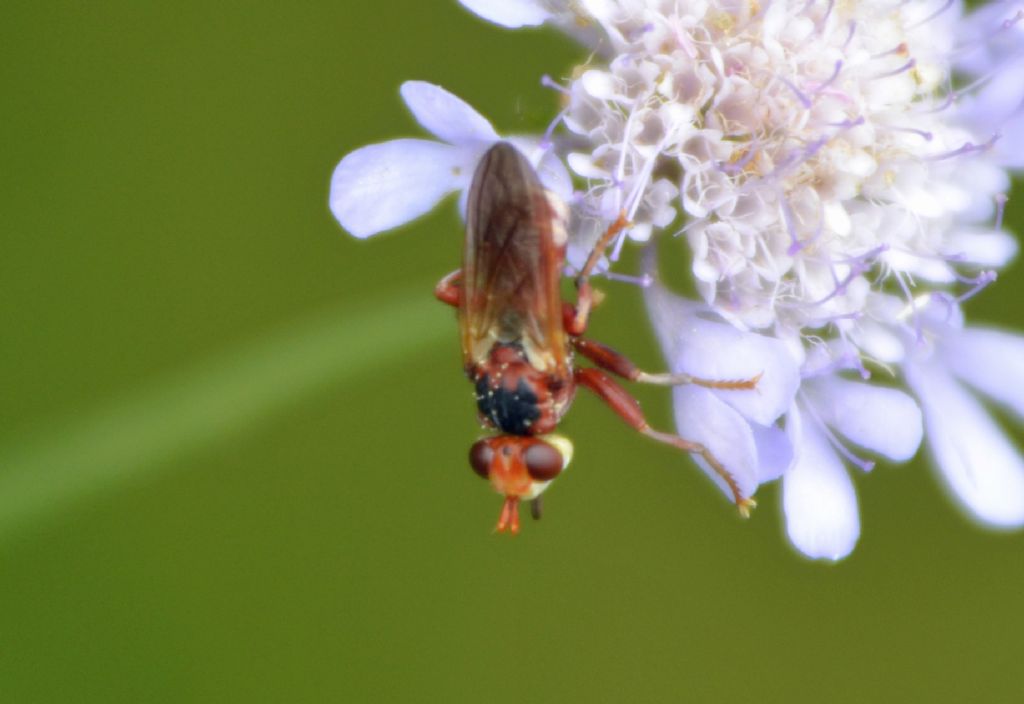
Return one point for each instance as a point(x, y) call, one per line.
point(233, 442)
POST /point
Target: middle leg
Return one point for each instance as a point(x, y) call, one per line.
point(585, 294)
point(620, 365)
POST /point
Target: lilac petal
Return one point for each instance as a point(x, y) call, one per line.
point(1010, 148)
point(978, 462)
point(509, 13)
point(774, 452)
point(445, 115)
point(712, 349)
point(701, 417)
point(382, 186)
point(881, 419)
point(554, 175)
point(992, 361)
point(549, 166)
point(984, 248)
point(1000, 97)
point(818, 497)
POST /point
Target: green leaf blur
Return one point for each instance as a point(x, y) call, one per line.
point(233, 441)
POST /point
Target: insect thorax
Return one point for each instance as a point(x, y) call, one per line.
point(515, 397)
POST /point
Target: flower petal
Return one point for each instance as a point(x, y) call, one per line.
point(881, 419)
point(382, 186)
point(818, 497)
point(983, 247)
point(712, 349)
point(549, 166)
point(774, 452)
point(703, 418)
point(445, 115)
point(978, 462)
point(509, 13)
point(992, 361)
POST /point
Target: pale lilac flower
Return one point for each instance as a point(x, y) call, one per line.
point(832, 417)
point(841, 187)
point(992, 56)
point(511, 13)
point(830, 177)
point(739, 427)
point(979, 464)
point(382, 186)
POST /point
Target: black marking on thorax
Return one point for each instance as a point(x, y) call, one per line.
point(507, 400)
point(511, 411)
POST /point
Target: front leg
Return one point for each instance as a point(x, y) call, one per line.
point(627, 407)
point(620, 365)
point(448, 289)
point(585, 294)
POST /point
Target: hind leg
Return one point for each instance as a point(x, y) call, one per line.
point(628, 409)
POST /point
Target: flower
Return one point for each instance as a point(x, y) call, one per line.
point(839, 172)
point(978, 463)
point(382, 186)
point(992, 55)
point(738, 427)
point(818, 497)
point(828, 175)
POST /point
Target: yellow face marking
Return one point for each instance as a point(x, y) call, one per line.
point(562, 444)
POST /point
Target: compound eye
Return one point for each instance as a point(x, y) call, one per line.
point(543, 462)
point(480, 456)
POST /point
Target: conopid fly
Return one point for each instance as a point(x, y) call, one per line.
point(518, 336)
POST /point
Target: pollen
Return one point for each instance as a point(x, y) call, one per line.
point(724, 22)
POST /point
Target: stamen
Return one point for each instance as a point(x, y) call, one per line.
point(620, 169)
point(787, 217)
point(858, 462)
point(948, 4)
point(967, 148)
point(927, 136)
point(848, 124)
point(978, 284)
point(1001, 199)
point(911, 305)
point(951, 98)
point(640, 31)
point(900, 49)
point(849, 37)
point(828, 13)
point(895, 72)
point(858, 266)
point(986, 40)
point(946, 300)
point(804, 100)
point(546, 141)
point(549, 82)
point(643, 281)
point(835, 74)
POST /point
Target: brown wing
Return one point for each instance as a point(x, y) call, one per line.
point(515, 248)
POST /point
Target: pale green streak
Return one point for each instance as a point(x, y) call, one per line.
point(133, 437)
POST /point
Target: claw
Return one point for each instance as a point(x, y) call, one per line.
point(746, 506)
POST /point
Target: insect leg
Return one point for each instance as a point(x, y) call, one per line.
point(447, 289)
point(628, 409)
point(536, 508)
point(585, 294)
point(620, 365)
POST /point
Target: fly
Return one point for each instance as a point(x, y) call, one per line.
point(519, 338)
